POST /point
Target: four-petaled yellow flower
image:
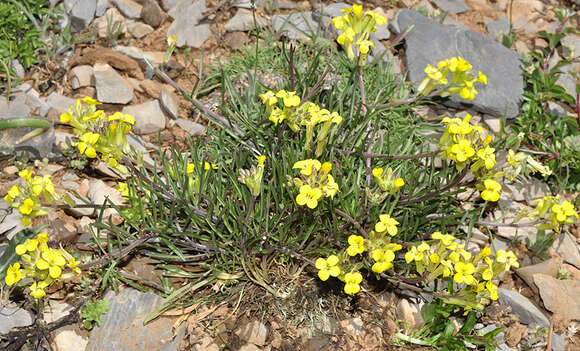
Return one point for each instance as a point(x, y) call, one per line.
point(352, 282)
point(507, 258)
point(86, 144)
point(308, 196)
point(52, 260)
point(13, 274)
point(492, 190)
point(27, 207)
point(37, 289)
point(388, 224)
point(289, 98)
point(464, 273)
point(328, 267)
point(307, 166)
point(357, 245)
point(383, 260)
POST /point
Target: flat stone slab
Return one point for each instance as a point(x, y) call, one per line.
point(559, 296)
point(122, 326)
point(528, 312)
point(429, 42)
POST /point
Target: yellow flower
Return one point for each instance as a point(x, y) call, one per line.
point(123, 189)
point(460, 152)
point(123, 117)
point(399, 182)
point(487, 155)
point(492, 288)
point(328, 267)
point(277, 116)
point(357, 245)
point(65, 117)
point(172, 40)
point(482, 78)
point(289, 97)
point(492, 190)
point(85, 145)
point(90, 101)
point(29, 245)
point(261, 160)
point(352, 282)
point(415, 253)
point(13, 274)
point(388, 224)
point(564, 212)
point(190, 168)
point(377, 172)
point(507, 258)
point(52, 260)
point(464, 273)
point(12, 194)
point(43, 183)
point(37, 289)
point(434, 258)
point(269, 98)
point(42, 238)
point(207, 166)
point(307, 166)
point(25, 174)
point(26, 207)
point(445, 239)
point(383, 260)
point(308, 196)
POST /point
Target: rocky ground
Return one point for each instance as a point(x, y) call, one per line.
point(116, 71)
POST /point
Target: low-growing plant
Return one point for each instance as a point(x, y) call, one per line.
point(92, 313)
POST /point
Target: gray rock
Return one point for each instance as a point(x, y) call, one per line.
point(298, 25)
point(81, 12)
point(243, 21)
point(493, 123)
point(254, 332)
point(326, 13)
point(452, 6)
point(148, 116)
point(151, 13)
point(139, 29)
point(111, 87)
point(82, 76)
point(496, 29)
point(59, 102)
point(128, 8)
point(18, 68)
point(122, 326)
point(382, 33)
point(186, 27)
point(194, 36)
point(188, 11)
point(566, 80)
point(11, 225)
point(11, 316)
point(430, 42)
point(169, 104)
point(191, 127)
point(568, 249)
point(102, 6)
point(169, 4)
point(556, 109)
point(99, 192)
point(528, 312)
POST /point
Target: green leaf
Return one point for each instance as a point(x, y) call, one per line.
point(93, 311)
point(469, 324)
point(428, 311)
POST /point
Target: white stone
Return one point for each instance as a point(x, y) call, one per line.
point(129, 8)
point(139, 29)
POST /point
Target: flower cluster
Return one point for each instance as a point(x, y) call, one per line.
point(466, 145)
point(315, 182)
point(297, 115)
point(98, 133)
point(253, 177)
point(356, 29)
point(554, 212)
point(380, 255)
point(462, 79)
point(41, 264)
point(447, 258)
point(27, 198)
